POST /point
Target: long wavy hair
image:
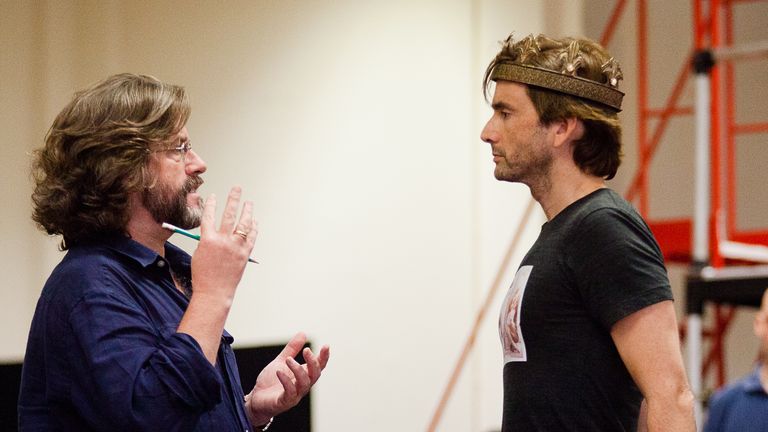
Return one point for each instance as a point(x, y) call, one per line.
point(96, 154)
point(598, 151)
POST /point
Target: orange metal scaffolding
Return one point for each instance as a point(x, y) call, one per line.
point(675, 235)
point(713, 227)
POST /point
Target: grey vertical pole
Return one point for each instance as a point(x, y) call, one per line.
point(702, 65)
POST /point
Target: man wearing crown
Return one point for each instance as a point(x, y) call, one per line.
point(595, 325)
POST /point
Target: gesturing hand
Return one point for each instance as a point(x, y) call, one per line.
point(217, 267)
point(220, 259)
point(282, 384)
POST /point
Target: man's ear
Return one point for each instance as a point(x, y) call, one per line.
point(760, 324)
point(567, 130)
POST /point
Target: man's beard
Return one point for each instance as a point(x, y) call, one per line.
point(532, 163)
point(166, 205)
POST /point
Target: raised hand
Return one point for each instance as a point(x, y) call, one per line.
point(220, 259)
point(217, 267)
point(282, 384)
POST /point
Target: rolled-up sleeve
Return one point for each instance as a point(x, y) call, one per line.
point(130, 374)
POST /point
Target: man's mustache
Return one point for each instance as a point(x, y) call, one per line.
point(191, 184)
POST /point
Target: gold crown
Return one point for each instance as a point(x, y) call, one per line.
point(561, 82)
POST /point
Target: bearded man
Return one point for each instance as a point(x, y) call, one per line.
point(128, 333)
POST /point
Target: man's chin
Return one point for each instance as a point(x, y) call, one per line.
point(507, 175)
point(189, 220)
point(190, 225)
point(192, 219)
point(501, 175)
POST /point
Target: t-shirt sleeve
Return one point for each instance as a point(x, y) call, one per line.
point(617, 265)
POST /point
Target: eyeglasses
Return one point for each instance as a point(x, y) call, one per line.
point(182, 149)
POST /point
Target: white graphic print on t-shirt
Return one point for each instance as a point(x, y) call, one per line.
point(511, 334)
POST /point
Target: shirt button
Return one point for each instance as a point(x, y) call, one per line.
point(161, 263)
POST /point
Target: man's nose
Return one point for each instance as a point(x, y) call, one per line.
point(488, 134)
point(194, 163)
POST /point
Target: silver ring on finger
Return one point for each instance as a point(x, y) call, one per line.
point(242, 234)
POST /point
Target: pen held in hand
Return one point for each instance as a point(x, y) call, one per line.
point(186, 233)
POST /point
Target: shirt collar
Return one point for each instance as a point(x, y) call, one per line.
point(180, 261)
point(752, 384)
point(126, 246)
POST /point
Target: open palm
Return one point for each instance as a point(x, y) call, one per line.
point(283, 382)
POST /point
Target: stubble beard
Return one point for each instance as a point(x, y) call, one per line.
point(167, 205)
point(531, 165)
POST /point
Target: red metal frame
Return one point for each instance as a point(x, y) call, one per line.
point(675, 236)
point(733, 128)
point(638, 187)
point(613, 22)
point(724, 315)
point(644, 147)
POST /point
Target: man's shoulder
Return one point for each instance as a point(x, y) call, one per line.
point(736, 389)
point(87, 260)
point(83, 270)
point(600, 213)
point(605, 203)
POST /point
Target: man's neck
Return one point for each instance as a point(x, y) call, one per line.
point(562, 187)
point(144, 229)
point(764, 377)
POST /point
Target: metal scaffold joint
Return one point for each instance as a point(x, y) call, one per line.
point(703, 61)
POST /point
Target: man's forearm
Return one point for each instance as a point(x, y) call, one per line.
point(204, 321)
point(672, 415)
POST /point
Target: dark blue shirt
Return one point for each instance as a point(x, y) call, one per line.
point(740, 407)
point(104, 354)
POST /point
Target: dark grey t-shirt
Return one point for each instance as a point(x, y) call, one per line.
point(595, 263)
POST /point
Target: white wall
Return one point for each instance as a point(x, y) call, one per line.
point(354, 126)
